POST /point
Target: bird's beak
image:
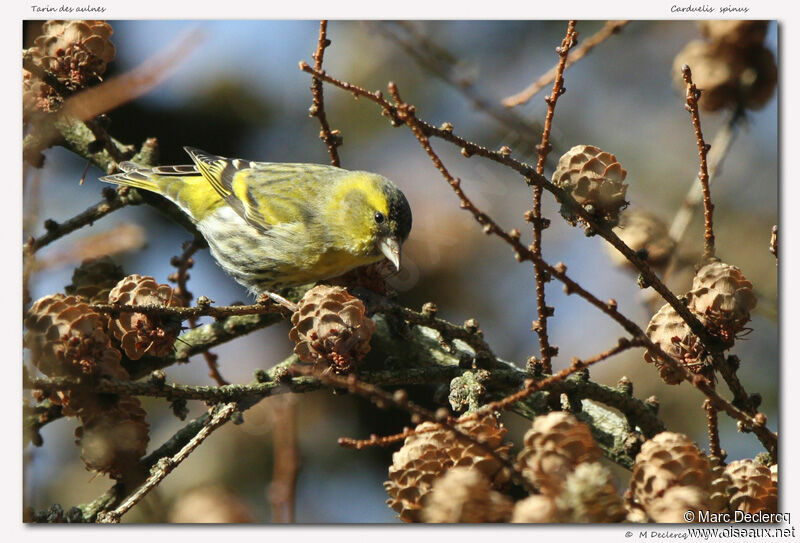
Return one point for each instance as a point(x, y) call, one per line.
point(390, 248)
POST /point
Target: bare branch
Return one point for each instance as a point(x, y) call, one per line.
point(332, 138)
point(547, 351)
point(165, 465)
point(692, 97)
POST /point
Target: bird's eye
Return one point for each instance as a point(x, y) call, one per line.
point(379, 217)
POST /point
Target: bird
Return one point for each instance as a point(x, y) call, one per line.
point(272, 225)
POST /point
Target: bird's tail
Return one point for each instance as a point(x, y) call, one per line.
point(134, 175)
point(184, 185)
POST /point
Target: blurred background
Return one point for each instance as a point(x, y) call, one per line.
point(240, 94)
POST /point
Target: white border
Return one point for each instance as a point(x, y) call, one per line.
point(409, 9)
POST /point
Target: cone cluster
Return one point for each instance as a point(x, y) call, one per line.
point(435, 477)
point(595, 179)
point(560, 457)
point(330, 328)
point(67, 338)
point(721, 298)
point(731, 66)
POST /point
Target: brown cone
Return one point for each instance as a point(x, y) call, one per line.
point(555, 444)
point(67, 338)
point(665, 461)
point(464, 494)
point(752, 489)
point(724, 297)
point(141, 334)
point(114, 440)
point(669, 331)
point(434, 450)
point(330, 327)
point(594, 178)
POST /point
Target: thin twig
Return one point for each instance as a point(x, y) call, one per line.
point(713, 430)
point(608, 30)
point(184, 263)
point(428, 363)
point(720, 146)
point(186, 313)
point(532, 386)
point(165, 465)
point(692, 97)
point(380, 441)
point(174, 391)
point(201, 339)
point(109, 144)
point(405, 113)
point(114, 200)
point(547, 351)
point(332, 138)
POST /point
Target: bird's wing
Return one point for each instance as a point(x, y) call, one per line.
point(224, 175)
point(264, 194)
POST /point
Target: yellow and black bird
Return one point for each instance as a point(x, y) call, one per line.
point(272, 225)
